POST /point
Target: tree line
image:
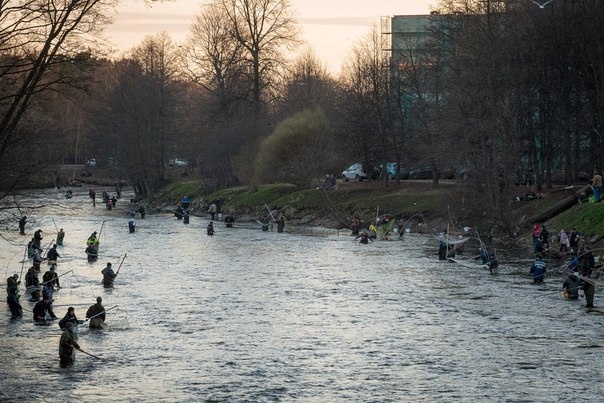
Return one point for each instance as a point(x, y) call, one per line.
point(508, 90)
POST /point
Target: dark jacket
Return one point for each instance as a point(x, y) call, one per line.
point(572, 285)
point(41, 308)
point(13, 302)
point(53, 254)
point(97, 321)
point(538, 270)
point(108, 275)
point(69, 318)
point(51, 277)
point(31, 278)
point(66, 346)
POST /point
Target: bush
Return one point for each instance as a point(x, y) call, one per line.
point(298, 151)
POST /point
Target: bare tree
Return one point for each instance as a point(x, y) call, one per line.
point(308, 84)
point(213, 60)
point(265, 29)
point(36, 37)
point(138, 112)
point(366, 99)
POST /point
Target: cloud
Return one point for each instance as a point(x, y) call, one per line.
point(342, 21)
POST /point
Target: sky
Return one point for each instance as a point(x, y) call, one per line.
point(330, 27)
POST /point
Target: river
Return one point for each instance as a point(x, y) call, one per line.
point(307, 315)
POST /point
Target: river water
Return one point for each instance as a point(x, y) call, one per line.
point(308, 315)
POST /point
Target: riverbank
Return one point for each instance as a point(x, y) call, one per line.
point(421, 204)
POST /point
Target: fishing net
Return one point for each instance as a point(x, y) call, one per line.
point(451, 241)
point(118, 324)
point(121, 322)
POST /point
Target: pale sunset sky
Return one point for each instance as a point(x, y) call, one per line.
point(330, 27)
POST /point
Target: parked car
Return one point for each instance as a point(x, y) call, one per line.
point(461, 172)
point(424, 172)
point(91, 162)
point(403, 173)
point(354, 172)
point(177, 162)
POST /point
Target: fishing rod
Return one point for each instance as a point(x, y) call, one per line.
point(92, 355)
point(62, 305)
point(100, 313)
point(53, 279)
point(98, 238)
point(269, 211)
point(48, 248)
point(118, 269)
point(23, 263)
point(9, 241)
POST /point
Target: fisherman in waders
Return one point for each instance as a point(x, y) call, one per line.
point(364, 238)
point(91, 253)
point(265, 223)
point(43, 308)
point(108, 276)
point(51, 278)
point(67, 346)
point(92, 195)
point(60, 237)
point(538, 270)
point(70, 317)
point(280, 224)
point(229, 220)
point(488, 258)
point(12, 281)
point(443, 246)
point(571, 286)
point(96, 314)
point(13, 302)
point(32, 282)
point(22, 223)
point(52, 255)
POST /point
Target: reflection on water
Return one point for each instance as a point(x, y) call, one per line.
point(247, 315)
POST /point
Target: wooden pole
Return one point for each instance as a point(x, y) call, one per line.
point(118, 269)
point(23, 264)
point(100, 313)
point(46, 282)
point(92, 355)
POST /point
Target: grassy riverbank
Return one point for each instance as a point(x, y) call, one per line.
point(352, 199)
point(440, 205)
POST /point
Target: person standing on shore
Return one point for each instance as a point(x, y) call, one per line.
point(596, 182)
point(564, 241)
